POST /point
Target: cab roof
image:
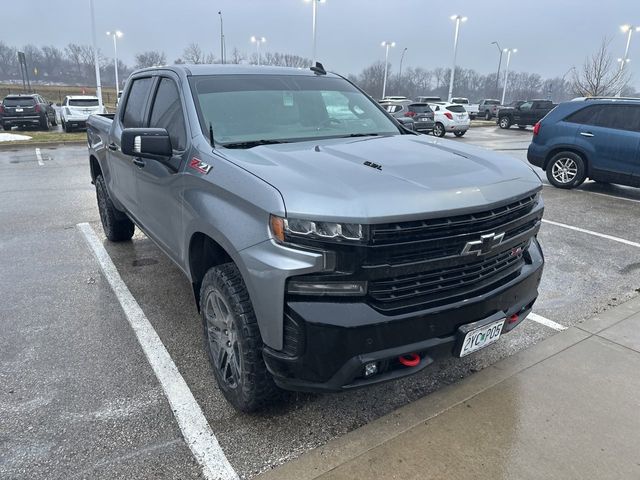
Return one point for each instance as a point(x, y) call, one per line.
point(233, 69)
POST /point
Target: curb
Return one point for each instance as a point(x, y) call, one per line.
point(343, 449)
point(15, 145)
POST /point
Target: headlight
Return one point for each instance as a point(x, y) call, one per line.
point(284, 229)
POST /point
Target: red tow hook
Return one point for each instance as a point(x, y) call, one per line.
point(409, 360)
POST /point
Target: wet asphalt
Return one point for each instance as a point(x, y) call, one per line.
point(78, 397)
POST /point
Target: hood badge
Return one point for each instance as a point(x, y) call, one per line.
point(373, 165)
point(200, 166)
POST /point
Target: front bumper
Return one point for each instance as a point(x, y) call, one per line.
point(332, 342)
point(77, 122)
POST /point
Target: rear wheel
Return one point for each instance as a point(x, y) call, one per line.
point(232, 340)
point(566, 170)
point(439, 130)
point(460, 134)
point(116, 225)
point(505, 122)
point(45, 124)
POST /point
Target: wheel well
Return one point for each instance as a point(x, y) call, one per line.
point(95, 168)
point(555, 151)
point(204, 253)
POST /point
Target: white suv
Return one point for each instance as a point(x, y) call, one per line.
point(450, 117)
point(76, 109)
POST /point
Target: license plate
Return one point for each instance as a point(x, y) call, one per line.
point(19, 110)
point(462, 115)
point(481, 337)
point(423, 119)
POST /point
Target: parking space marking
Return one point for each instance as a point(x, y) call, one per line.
point(595, 234)
point(39, 157)
point(194, 426)
point(609, 196)
point(546, 322)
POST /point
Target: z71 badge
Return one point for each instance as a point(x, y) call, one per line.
point(200, 166)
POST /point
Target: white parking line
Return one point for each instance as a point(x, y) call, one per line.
point(546, 322)
point(194, 426)
point(39, 157)
point(595, 234)
point(610, 196)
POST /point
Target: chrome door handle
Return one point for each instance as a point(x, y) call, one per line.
point(138, 162)
point(587, 134)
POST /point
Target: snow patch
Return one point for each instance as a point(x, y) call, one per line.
point(12, 137)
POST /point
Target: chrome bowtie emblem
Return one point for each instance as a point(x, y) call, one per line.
point(486, 243)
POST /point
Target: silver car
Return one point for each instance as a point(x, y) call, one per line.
point(420, 113)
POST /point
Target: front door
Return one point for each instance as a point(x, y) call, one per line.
point(159, 183)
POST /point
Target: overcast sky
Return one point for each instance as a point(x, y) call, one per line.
point(551, 35)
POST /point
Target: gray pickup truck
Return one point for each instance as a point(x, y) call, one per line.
point(328, 247)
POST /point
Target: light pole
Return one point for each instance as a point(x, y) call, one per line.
point(499, 65)
point(116, 34)
point(386, 64)
point(506, 72)
point(258, 41)
point(458, 19)
point(628, 29)
point(222, 52)
point(401, 59)
point(314, 27)
point(95, 54)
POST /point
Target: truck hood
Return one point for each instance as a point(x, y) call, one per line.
point(411, 177)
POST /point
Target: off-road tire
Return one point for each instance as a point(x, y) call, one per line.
point(116, 225)
point(254, 388)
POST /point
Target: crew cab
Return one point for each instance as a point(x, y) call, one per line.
point(524, 113)
point(76, 109)
point(328, 247)
point(488, 108)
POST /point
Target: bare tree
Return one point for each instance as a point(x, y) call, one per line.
point(600, 75)
point(8, 61)
point(150, 58)
point(237, 56)
point(193, 54)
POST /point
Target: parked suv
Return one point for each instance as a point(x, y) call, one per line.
point(450, 117)
point(76, 109)
point(596, 138)
point(420, 113)
point(27, 111)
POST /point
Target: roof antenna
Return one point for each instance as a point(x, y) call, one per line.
point(211, 135)
point(318, 69)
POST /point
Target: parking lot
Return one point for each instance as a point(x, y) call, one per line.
point(79, 397)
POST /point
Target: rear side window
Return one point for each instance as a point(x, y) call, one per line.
point(167, 113)
point(619, 117)
point(19, 102)
point(456, 109)
point(585, 116)
point(134, 109)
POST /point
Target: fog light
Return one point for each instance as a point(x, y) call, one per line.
point(327, 288)
point(370, 369)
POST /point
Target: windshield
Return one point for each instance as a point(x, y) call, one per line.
point(83, 102)
point(19, 102)
point(461, 101)
point(250, 108)
point(420, 108)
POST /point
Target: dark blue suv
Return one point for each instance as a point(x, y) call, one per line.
point(596, 138)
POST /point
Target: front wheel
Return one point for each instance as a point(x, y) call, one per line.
point(504, 123)
point(67, 127)
point(460, 133)
point(116, 225)
point(439, 130)
point(566, 170)
point(232, 340)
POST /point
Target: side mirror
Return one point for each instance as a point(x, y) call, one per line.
point(146, 142)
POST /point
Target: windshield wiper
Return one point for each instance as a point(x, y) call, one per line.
point(353, 135)
point(252, 143)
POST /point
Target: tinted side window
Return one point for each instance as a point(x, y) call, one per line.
point(614, 116)
point(167, 113)
point(134, 109)
point(585, 116)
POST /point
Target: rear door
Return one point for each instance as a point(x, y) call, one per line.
point(159, 183)
point(612, 133)
point(132, 115)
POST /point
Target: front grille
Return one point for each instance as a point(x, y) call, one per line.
point(447, 285)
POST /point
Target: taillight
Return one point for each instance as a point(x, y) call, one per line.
point(410, 114)
point(448, 115)
point(37, 108)
point(536, 128)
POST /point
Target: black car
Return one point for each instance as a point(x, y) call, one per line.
point(27, 111)
point(420, 113)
